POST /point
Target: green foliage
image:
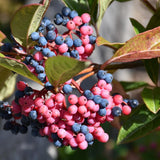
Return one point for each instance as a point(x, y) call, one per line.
point(7, 83)
point(140, 123)
point(23, 27)
point(151, 98)
point(129, 86)
point(18, 67)
point(60, 69)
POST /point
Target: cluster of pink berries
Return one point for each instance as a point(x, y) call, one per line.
point(77, 125)
point(77, 41)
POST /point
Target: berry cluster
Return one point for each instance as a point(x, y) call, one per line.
point(77, 41)
point(77, 125)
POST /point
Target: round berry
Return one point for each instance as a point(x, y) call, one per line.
point(116, 111)
point(67, 89)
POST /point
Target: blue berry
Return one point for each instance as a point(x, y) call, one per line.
point(50, 27)
point(84, 129)
point(51, 35)
point(90, 143)
point(41, 28)
point(67, 89)
point(6, 47)
point(39, 69)
point(7, 126)
point(133, 103)
point(97, 99)
point(76, 127)
point(104, 103)
point(28, 91)
point(74, 54)
point(116, 111)
point(42, 77)
point(33, 114)
point(65, 21)
point(69, 42)
point(19, 94)
point(59, 40)
point(28, 58)
point(92, 39)
point(58, 143)
point(48, 86)
point(45, 21)
point(66, 54)
point(102, 112)
point(23, 129)
point(42, 41)
point(58, 19)
point(51, 54)
point(88, 94)
point(101, 74)
point(89, 137)
point(66, 11)
point(46, 52)
point(77, 42)
point(33, 63)
point(73, 14)
point(37, 48)
point(35, 36)
point(108, 78)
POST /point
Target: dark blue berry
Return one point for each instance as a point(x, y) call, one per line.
point(133, 103)
point(73, 14)
point(50, 27)
point(66, 11)
point(37, 48)
point(39, 69)
point(66, 54)
point(67, 89)
point(58, 19)
point(97, 99)
point(28, 91)
point(28, 58)
point(33, 114)
point(6, 47)
point(108, 78)
point(35, 36)
point(58, 143)
point(33, 63)
point(116, 111)
point(46, 52)
point(92, 39)
point(88, 94)
point(45, 21)
point(84, 129)
point(74, 54)
point(65, 21)
point(102, 112)
point(42, 77)
point(59, 40)
point(77, 42)
point(69, 42)
point(51, 54)
point(42, 41)
point(104, 103)
point(101, 74)
point(76, 127)
point(23, 129)
point(41, 29)
point(51, 35)
point(89, 137)
point(48, 86)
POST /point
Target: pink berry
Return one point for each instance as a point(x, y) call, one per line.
point(38, 56)
point(46, 130)
point(96, 108)
point(70, 25)
point(87, 114)
point(61, 133)
point(69, 134)
point(96, 90)
point(61, 124)
point(80, 49)
point(39, 102)
point(80, 137)
point(43, 109)
point(59, 97)
point(84, 30)
point(54, 128)
point(77, 20)
point(101, 83)
point(63, 48)
point(91, 129)
point(88, 49)
point(49, 103)
point(50, 120)
point(70, 123)
point(126, 109)
point(103, 138)
point(82, 109)
point(104, 93)
point(72, 99)
point(67, 116)
point(117, 99)
point(55, 113)
point(83, 145)
point(72, 109)
point(21, 85)
point(90, 105)
point(98, 131)
point(85, 17)
point(85, 39)
point(90, 30)
point(82, 100)
point(73, 142)
point(108, 87)
point(91, 121)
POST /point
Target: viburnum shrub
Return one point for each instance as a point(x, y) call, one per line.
point(58, 60)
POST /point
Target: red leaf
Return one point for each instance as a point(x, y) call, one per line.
point(145, 45)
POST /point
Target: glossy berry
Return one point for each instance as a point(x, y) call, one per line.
point(88, 94)
point(33, 114)
point(70, 25)
point(89, 137)
point(133, 103)
point(69, 42)
point(35, 36)
point(101, 74)
point(66, 11)
point(73, 14)
point(42, 41)
point(102, 112)
point(67, 89)
point(77, 42)
point(85, 17)
point(59, 40)
point(108, 78)
point(51, 35)
point(76, 127)
point(116, 111)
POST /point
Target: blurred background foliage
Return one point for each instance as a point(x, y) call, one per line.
point(146, 148)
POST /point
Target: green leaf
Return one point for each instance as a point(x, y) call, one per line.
point(59, 69)
point(81, 6)
point(154, 21)
point(27, 20)
point(151, 98)
point(138, 28)
point(101, 41)
point(152, 67)
point(129, 86)
point(142, 46)
point(102, 6)
point(140, 123)
point(7, 83)
point(18, 67)
point(2, 36)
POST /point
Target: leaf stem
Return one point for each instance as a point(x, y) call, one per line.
point(77, 86)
